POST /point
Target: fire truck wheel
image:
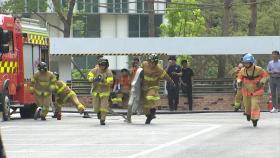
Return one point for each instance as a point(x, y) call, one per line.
point(28, 111)
point(6, 108)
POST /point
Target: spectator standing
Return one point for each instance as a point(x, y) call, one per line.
point(273, 69)
point(186, 82)
point(174, 71)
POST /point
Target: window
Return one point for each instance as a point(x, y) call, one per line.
point(139, 6)
point(79, 26)
point(117, 6)
point(145, 7)
point(158, 22)
point(144, 26)
point(125, 6)
point(133, 26)
point(81, 61)
point(93, 26)
point(95, 6)
point(110, 6)
point(139, 26)
point(33, 5)
point(80, 5)
point(11, 42)
point(85, 62)
point(86, 26)
point(88, 6)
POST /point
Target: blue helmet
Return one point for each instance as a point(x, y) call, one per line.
point(248, 58)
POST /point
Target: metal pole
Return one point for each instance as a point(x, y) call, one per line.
point(78, 68)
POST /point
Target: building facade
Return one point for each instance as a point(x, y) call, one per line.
point(101, 19)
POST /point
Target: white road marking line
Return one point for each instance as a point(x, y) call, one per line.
point(5, 127)
point(78, 144)
point(174, 142)
point(59, 127)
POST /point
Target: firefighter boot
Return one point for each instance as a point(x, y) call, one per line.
point(58, 116)
point(99, 115)
point(37, 113)
point(55, 115)
point(148, 119)
point(102, 122)
point(86, 115)
point(151, 116)
point(43, 118)
point(248, 117)
point(153, 113)
point(255, 123)
point(236, 109)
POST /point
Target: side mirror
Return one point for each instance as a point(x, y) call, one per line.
point(24, 35)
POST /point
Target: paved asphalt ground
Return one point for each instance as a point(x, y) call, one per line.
point(207, 135)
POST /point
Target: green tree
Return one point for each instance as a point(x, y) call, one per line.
point(268, 23)
point(64, 10)
point(183, 21)
point(65, 14)
point(18, 6)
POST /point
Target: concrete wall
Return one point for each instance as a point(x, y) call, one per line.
point(115, 26)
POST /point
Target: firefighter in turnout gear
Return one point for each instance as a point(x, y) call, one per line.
point(153, 73)
point(64, 94)
point(238, 94)
point(101, 78)
point(42, 85)
point(252, 79)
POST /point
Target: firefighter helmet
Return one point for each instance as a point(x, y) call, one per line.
point(241, 59)
point(42, 66)
point(248, 58)
point(153, 58)
point(56, 75)
point(103, 62)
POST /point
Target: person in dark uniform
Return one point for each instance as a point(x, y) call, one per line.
point(186, 82)
point(174, 71)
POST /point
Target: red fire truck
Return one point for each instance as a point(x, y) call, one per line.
point(23, 44)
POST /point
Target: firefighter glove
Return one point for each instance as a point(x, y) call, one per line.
point(98, 78)
point(52, 87)
point(113, 94)
point(45, 94)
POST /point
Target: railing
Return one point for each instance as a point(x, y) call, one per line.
point(200, 86)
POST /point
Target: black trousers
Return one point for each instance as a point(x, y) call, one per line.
point(187, 91)
point(173, 96)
